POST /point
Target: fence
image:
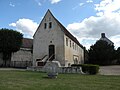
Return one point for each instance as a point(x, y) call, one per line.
point(20, 64)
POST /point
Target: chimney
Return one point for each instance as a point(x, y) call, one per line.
point(102, 35)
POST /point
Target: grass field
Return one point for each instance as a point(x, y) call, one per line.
point(25, 80)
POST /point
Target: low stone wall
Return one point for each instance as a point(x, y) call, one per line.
point(59, 69)
point(70, 70)
point(55, 67)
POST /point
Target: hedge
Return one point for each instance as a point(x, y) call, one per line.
point(88, 68)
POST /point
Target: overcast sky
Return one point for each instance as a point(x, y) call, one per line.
point(85, 19)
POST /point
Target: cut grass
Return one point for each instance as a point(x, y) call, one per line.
point(26, 80)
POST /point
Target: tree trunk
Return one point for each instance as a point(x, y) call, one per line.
point(6, 59)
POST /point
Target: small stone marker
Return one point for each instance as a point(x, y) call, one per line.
point(51, 68)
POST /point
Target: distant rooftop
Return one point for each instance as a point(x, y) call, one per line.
point(103, 37)
point(27, 43)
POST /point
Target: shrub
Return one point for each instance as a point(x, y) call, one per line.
point(76, 65)
point(90, 69)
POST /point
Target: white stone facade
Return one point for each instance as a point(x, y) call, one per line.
point(45, 37)
point(54, 34)
point(74, 54)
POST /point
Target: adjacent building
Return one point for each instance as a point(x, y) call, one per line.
point(21, 58)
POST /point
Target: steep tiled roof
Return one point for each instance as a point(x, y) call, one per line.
point(27, 43)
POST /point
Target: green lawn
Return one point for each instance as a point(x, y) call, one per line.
point(25, 80)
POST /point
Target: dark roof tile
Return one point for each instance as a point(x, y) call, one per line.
point(27, 43)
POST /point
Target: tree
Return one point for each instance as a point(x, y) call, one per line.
point(10, 42)
point(86, 56)
point(118, 55)
point(101, 53)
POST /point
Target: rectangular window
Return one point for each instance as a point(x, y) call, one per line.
point(77, 47)
point(70, 43)
point(66, 41)
point(73, 45)
point(50, 24)
point(45, 25)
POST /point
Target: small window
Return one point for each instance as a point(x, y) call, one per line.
point(73, 45)
point(66, 41)
point(70, 43)
point(50, 24)
point(45, 25)
point(77, 47)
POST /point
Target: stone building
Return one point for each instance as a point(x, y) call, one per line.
point(23, 57)
point(52, 41)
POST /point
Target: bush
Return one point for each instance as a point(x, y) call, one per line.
point(76, 65)
point(90, 69)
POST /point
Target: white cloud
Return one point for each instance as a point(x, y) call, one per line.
point(89, 1)
point(108, 7)
point(93, 26)
point(25, 26)
point(12, 24)
point(116, 40)
point(38, 2)
point(78, 5)
point(81, 4)
point(12, 5)
point(107, 20)
point(54, 1)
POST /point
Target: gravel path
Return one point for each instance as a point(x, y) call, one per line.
point(110, 70)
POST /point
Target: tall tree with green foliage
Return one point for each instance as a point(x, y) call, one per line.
point(101, 53)
point(10, 42)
